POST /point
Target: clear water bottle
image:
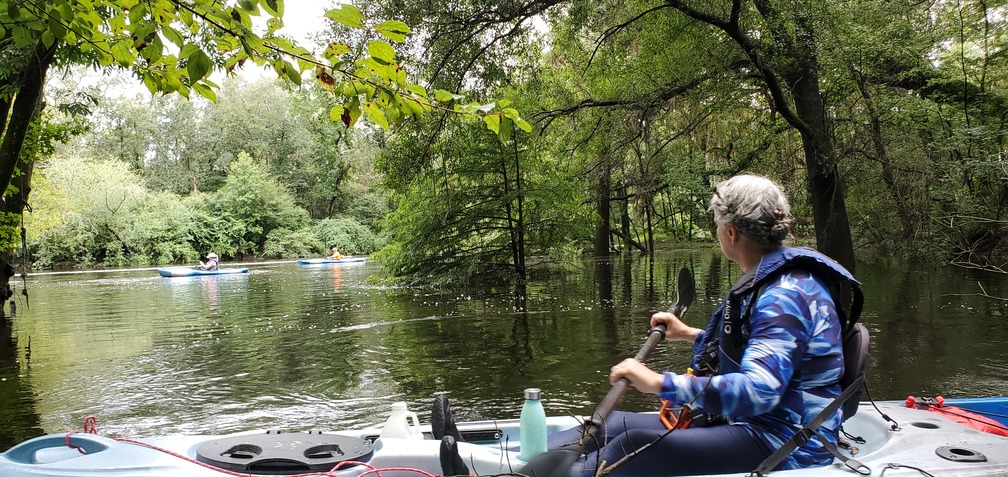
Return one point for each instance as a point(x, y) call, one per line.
point(402, 423)
point(532, 426)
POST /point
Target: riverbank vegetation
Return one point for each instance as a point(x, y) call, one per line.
point(165, 180)
point(885, 121)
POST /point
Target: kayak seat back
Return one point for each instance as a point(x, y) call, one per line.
point(856, 346)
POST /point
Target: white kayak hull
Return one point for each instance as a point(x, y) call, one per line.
point(491, 447)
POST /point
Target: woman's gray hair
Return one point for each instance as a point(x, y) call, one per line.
point(755, 206)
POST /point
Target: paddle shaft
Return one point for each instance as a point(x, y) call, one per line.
point(615, 395)
point(557, 462)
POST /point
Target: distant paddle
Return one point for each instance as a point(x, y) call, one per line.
point(558, 462)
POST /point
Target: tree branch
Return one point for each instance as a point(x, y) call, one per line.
point(767, 74)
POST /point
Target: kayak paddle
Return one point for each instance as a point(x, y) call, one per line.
point(558, 462)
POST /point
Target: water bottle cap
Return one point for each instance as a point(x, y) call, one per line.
point(532, 393)
point(399, 406)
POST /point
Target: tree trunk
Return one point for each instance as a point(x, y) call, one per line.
point(625, 214)
point(829, 210)
point(907, 215)
point(520, 266)
point(603, 207)
point(515, 223)
point(24, 109)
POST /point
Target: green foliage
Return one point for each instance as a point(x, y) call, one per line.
point(97, 213)
point(84, 208)
point(10, 231)
point(286, 243)
point(648, 101)
point(252, 198)
point(160, 230)
point(173, 143)
point(352, 237)
point(475, 209)
point(45, 131)
point(368, 207)
point(215, 230)
point(172, 47)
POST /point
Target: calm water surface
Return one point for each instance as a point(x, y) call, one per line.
point(300, 348)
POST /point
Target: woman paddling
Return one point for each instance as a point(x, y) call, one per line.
point(768, 362)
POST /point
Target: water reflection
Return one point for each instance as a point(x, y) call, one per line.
point(210, 291)
point(18, 414)
point(318, 348)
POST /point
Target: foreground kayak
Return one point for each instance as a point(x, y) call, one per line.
point(325, 261)
point(924, 442)
point(193, 271)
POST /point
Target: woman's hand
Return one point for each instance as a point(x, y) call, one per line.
point(640, 377)
point(675, 329)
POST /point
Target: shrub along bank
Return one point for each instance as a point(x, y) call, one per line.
point(98, 213)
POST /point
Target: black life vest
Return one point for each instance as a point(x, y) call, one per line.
point(728, 331)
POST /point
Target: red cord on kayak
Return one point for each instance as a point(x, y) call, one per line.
point(962, 416)
point(90, 427)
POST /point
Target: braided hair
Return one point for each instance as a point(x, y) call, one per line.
point(756, 207)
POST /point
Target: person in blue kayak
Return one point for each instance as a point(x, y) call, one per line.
point(212, 263)
point(336, 255)
point(769, 361)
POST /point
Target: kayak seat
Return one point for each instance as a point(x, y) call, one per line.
point(856, 345)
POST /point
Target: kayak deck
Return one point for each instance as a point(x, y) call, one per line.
point(491, 447)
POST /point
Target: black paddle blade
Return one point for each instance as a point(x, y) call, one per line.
point(685, 293)
point(442, 423)
point(451, 461)
point(555, 463)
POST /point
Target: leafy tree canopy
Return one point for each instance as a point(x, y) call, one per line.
point(173, 45)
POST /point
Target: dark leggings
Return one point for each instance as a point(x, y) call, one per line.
point(699, 450)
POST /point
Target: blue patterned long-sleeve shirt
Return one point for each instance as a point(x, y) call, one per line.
point(789, 372)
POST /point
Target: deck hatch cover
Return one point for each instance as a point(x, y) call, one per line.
point(960, 454)
point(283, 453)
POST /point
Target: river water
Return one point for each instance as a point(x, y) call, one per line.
point(299, 348)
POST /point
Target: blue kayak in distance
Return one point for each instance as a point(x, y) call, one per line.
point(327, 261)
point(193, 271)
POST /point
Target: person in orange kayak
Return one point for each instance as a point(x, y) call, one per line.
point(212, 263)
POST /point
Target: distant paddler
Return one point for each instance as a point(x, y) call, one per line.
point(212, 263)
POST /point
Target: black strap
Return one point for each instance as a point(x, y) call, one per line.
point(808, 430)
